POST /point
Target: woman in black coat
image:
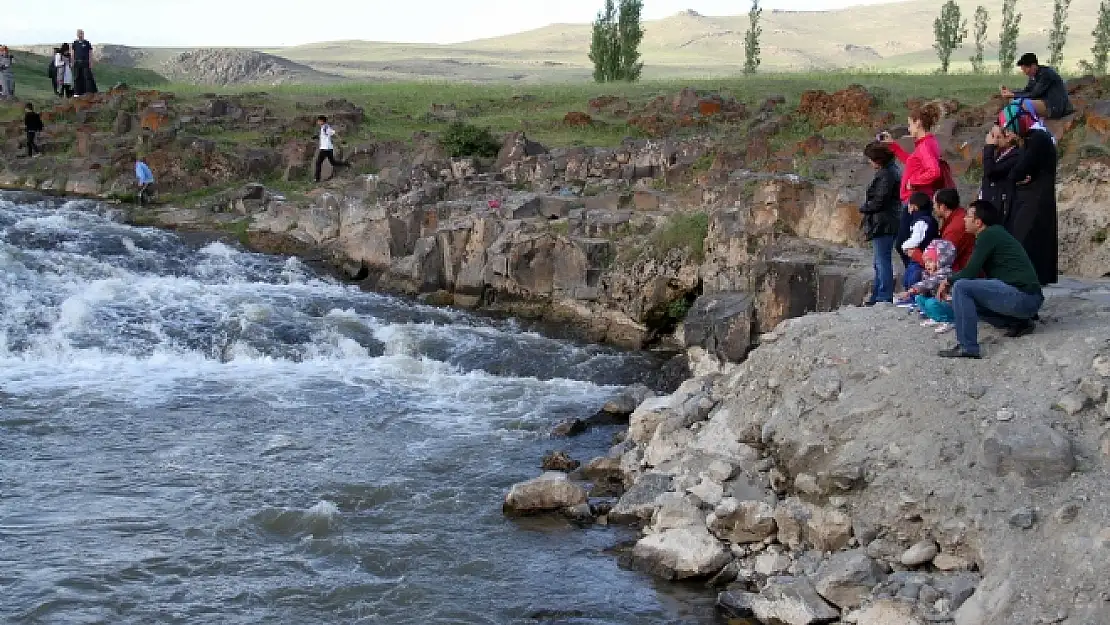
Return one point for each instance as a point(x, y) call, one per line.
point(881, 210)
point(1032, 217)
point(1000, 154)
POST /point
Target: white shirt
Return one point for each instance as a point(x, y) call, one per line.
point(917, 235)
point(326, 134)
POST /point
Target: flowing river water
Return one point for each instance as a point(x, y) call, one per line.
point(190, 433)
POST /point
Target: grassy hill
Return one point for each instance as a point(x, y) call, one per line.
point(31, 81)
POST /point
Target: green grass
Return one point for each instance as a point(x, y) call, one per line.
point(394, 111)
point(683, 231)
point(31, 81)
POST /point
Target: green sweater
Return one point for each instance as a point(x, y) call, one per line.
point(1000, 256)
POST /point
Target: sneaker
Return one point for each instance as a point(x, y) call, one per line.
point(957, 352)
point(944, 327)
point(928, 323)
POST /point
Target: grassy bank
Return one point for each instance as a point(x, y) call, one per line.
point(32, 83)
point(397, 110)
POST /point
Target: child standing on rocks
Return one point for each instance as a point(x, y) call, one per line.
point(923, 231)
point(327, 147)
point(938, 259)
point(32, 123)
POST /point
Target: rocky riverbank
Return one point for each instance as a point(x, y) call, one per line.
point(723, 219)
point(846, 474)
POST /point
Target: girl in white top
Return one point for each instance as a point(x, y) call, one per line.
point(63, 61)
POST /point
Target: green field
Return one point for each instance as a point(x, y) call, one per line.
point(32, 83)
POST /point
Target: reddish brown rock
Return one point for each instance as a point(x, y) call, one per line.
point(851, 106)
point(708, 107)
point(577, 118)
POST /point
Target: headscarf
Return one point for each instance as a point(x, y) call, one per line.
point(1020, 117)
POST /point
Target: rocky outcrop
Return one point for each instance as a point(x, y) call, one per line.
point(971, 498)
point(235, 66)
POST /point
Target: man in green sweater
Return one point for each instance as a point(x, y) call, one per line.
point(1010, 294)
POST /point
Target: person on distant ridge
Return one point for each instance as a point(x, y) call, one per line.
point(63, 61)
point(7, 75)
point(327, 146)
point(83, 81)
point(1045, 89)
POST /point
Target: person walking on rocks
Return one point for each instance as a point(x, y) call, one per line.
point(946, 208)
point(1045, 89)
point(144, 178)
point(327, 146)
point(32, 123)
point(923, 170)
point(1032, 216)
point(7, 74)
point(881, 210)
point(1008, 297)
point(83, 81)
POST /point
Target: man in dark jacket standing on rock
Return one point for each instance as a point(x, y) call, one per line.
point(1045, 89)
point(1009, 296)
point(83, 81)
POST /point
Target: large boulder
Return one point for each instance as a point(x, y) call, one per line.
point(786, 600)
point(546, 493)
point(1036, 453)
point(722, 324)
point(681, 553)
point(846, 579)
point(742, 521)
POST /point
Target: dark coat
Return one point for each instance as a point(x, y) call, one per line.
point(881, 205)
point(1032, 218)
point(997, 187)
point(1047, 86)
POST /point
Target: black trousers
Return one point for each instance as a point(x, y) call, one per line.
point(83, 81)
point(31, 147)
point(329, 156)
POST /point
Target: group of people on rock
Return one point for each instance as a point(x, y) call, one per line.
point(986, 262)
point(70, 69)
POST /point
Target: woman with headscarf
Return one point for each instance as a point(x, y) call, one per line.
point(1000, 154)
point(1032, 216)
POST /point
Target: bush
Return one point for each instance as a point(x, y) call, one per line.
point(462, 139)
point(684, 232)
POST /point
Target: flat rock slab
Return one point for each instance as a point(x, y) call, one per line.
point(786, 600)
point(1036, 453)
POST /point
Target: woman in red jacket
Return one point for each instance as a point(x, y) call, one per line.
point(922, 170)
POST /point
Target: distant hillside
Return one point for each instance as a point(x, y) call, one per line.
point(888, 37)
point(232, 66)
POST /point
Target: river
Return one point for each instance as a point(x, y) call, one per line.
point(192, 433)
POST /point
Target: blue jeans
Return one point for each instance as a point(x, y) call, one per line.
point(995, 301)
point(912, 276)
point(883, 248)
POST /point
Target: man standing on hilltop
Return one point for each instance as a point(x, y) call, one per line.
point(1046, 90)
point(327, 147)
point(83, 81)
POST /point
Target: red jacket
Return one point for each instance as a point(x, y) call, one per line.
point(953, 231)
point(922, 167)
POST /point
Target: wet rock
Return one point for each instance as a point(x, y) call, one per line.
point(638, 504)
point(551, 491)
point(846, 579)
point(603, 469)
point(888, 612)
point(582, 513)
point(1023, 518)
point(742, 521)
point(625, 403)
point(919, 554)
point(558, 461)
point(786, 600)
point(569, 427)
point(1036, 453)
point(680, 553)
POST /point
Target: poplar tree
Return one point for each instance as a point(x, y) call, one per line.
point(615, 43)
point(981, 18)
point(1058, 36)
point(1100, 51)
point(950, 31)
point(751, 39)
point(1008, 36)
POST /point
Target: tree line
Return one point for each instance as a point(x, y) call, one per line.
point(618, 32)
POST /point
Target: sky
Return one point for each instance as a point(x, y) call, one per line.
point(253, 23)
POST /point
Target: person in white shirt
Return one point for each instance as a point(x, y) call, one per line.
point(327, 147)
point(63, 71)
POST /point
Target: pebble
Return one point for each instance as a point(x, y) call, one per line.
point(976, 391)
point(1023, 518)
point(1067, 513)
point(1004, 415)
point(921, 553)
point(949, 562)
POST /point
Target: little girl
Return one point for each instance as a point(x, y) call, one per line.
point(938, 258)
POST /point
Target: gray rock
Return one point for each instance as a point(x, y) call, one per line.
point(742, 521)
point(1067, 513)
point(1093, 389)
point(919, 554)
point(888, 612)
point(785, 600)
point(771, 563)
point(958, 588)
point(625, 403)
point(569, 427)
point(801, 523)
point(1101, 366)
point(721, 323)
point(1023, 518)
point(638, 504)
point(680, 553)
point(582, 513)
point(1036, 453)
point(1072, 403)
point(949, 562)
point(846, 579)
point(928, 595)
point(548, 492)
point(708, 492)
